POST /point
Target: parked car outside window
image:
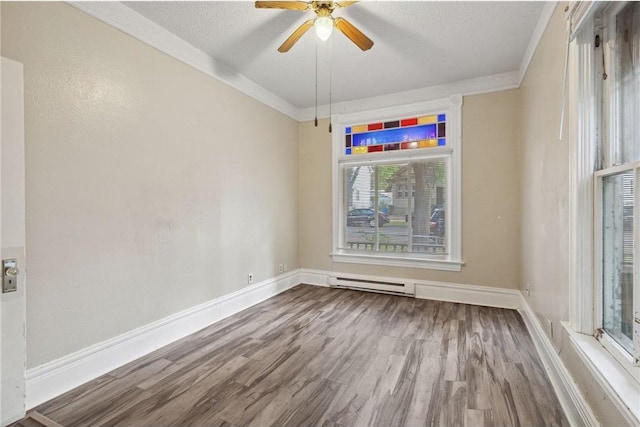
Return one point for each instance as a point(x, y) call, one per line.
point(366, 217)
point(436, 224)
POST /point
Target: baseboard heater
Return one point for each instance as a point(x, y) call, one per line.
point(396, 288)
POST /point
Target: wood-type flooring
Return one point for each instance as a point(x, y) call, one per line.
point(35, 419)
point(315, 356)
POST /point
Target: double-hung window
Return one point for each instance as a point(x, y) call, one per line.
point(606, 162)
point(617, 194)
point(396, 179)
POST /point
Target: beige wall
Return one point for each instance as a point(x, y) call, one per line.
point(490, 218)
point(545, 168)
point(151, 187)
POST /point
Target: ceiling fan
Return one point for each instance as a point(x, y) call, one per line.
point(323, 22)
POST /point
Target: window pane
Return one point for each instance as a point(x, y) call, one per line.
point(617, 227)
point(428, 224)
point(359, 230)
point(410, 215)
point(394, 234)
point(627, 54)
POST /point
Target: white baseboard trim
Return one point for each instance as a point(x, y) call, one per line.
point(468, 294)
point(573, 403)
point(441, 291)
point(61, 375)
point(314, 277)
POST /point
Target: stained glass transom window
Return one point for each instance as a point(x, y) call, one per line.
point(404, 134)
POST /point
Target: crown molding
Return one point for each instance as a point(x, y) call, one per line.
point(136, 25)
point(131, 22)
point(538, 32)
point(476, 86)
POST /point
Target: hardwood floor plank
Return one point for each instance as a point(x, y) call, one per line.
point(476, 374)
point(436, 402)
point(180, 405)
point(450, 345)
point(478, 418)
point(302, 403)
point(381, 391)
point(394, 410)
point(522, 392)
point(41, 419)
point(77, 394)
point(311, 411)
point(510, 351)
point(455, 404)
point(353, 396)
point(344, 317)
point(98, 406)
point(427, 375)
point(264, 383)
point(354, 358)
point(329, 357)
point(27, 423)
point(188, 375)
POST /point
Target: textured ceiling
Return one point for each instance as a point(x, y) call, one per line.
point(417, 44)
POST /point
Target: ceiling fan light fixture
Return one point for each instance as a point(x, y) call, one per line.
point(324, 27)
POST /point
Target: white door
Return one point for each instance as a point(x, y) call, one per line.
point(12, 243)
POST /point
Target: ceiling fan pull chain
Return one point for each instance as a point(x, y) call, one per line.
point(316, 120)
point(330, 78)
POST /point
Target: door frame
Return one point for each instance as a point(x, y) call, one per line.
point(12, 242)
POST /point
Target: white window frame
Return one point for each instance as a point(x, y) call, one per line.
point(452, 107)
point(590, 122)
point(608, 135)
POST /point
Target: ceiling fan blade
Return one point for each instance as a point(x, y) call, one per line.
point(353, 34)
point(344, 3)
point(291, 5)
point(293, 38)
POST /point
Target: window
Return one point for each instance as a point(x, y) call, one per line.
point(616, 193)
point(607, 168)
point(604, 195)
point(405, 164)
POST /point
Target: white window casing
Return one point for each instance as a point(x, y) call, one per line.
point(452, 107)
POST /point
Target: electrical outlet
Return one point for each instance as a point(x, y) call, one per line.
point(250, 278)
point(527, 289)
point(285, 267)
point(281, 268)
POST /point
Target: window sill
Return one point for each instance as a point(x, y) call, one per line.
point(397, 261)
point(617, 382)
